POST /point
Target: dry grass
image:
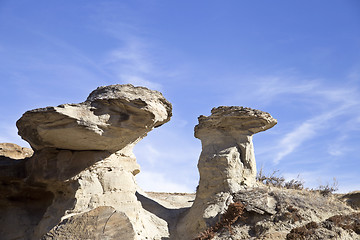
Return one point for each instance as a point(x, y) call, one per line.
point(234, 212)
point(275, 180)
point(328, 189)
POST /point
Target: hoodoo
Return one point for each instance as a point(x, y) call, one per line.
point(83, 165)
point(226, 164)
point(78, 180)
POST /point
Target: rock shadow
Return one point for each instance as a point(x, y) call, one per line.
point(171, 216)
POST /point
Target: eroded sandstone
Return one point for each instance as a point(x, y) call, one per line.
point(80, 181)
point(84, 164)
point(226, 164)
point(14, 151)
point(111, 118)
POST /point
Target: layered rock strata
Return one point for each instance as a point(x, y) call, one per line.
point(111, 118)
point(226, 164)
point(83, 162)
point(14, 151)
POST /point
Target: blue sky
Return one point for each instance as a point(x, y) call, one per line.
point(297, 60)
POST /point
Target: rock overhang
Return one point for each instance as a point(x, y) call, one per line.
point(111, 118)
point(234, 119)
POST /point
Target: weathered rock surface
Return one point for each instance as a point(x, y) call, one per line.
point(227, 147)
point(14, 151)
point(111, 118)
point(99, 223)
point(274, 213)
point(352, 199)
point(80, 181)
point(226, 164)
point(84, 167)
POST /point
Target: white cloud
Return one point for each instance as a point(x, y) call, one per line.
point(294, 139)
point(269, 88)
point(131, 56)
point(354, 75)
point(348, 188)
point(338, 146)
point(9, 134)
point(138, 81)
point(307, 130)
point(148, 153)
point(327, 104)
point(131, 64)
point(154, 181)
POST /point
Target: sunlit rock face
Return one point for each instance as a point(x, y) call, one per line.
point(227, 160)
point(111, 118)
point(226, 164)
point(14, 151)
point(83, 162)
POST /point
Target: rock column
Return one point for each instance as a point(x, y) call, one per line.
point(226, 164)
point(83, 157)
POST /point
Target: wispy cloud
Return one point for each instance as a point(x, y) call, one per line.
point(9, 135)
point(328, 103)
point(338, 147)
point(269, 88)
point(294, 139)
point(139, 81)
point(308, 130)
point(169, 152)
point(148, 153)
point(155, 181)
point(131, 64)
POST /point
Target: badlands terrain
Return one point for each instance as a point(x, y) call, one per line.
point(78, 180)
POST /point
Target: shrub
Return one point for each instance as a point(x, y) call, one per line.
point(303, 232)
point(327, 189)
point(278, 181)
point(347, 222)
point(234, 212)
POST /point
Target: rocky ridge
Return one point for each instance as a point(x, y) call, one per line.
point(13, 151)
point(80, 182)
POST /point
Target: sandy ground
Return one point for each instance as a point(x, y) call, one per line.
point(173, 200)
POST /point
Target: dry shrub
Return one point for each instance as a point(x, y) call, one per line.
point(271, 180)
point(303, 232)
point(347, 222)
point(327, 189)
point(294, 184)
point(207, 234)
point(291, 215)
point(234, 212)
point(294, 214)
point(278, 181)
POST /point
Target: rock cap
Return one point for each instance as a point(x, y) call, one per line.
point(243, 120)
point(110, 119)
point(141, 97)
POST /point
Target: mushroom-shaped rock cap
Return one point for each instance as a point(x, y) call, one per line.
point(241, 120)
point(111, 118)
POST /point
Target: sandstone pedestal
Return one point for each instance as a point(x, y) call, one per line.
point(226, 164)
point(83, 167)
